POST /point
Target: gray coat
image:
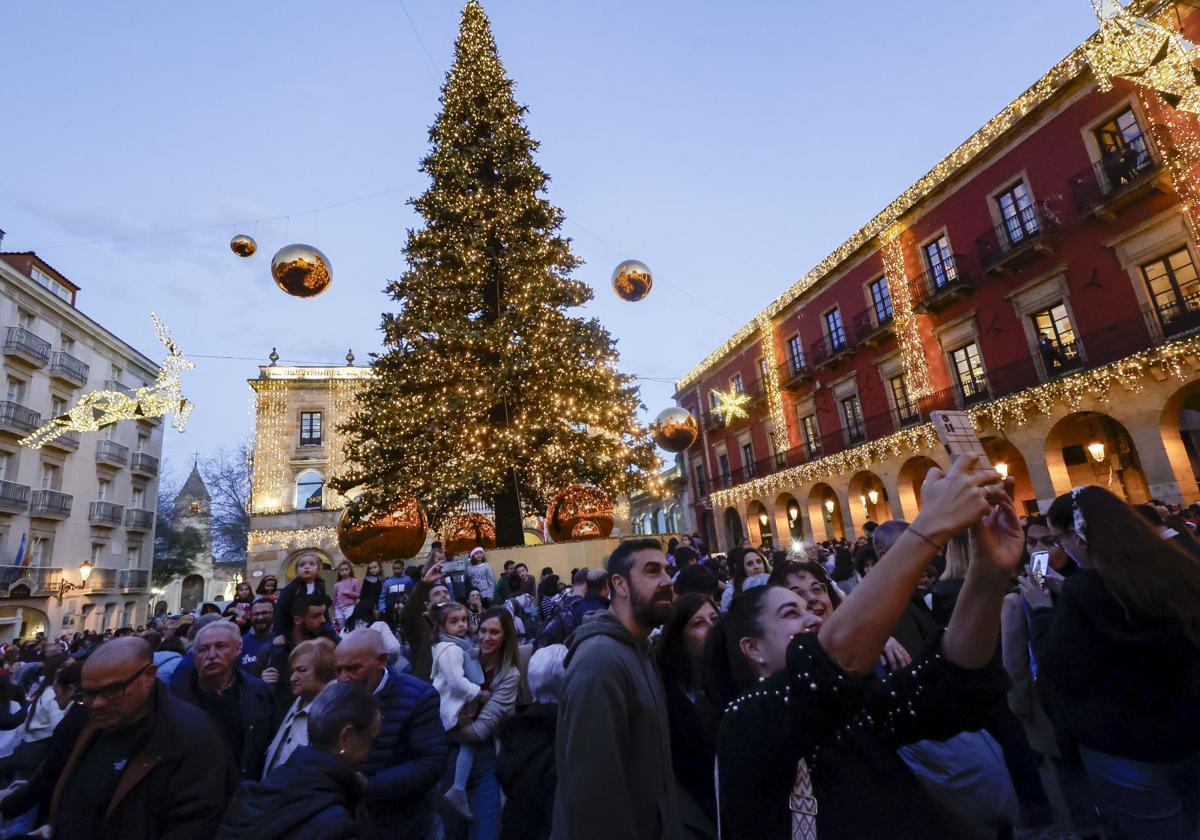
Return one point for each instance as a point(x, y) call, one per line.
point(613, 749)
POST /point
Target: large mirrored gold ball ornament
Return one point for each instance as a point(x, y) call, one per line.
point(397, 536)
point(580, 512)
point(464, 531)
point(243, 245)
point(631, 280)
point(301, 270)
point(675, 429)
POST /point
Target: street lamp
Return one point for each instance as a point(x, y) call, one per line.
point(1096, 450)
point(65, 586)
point(873, 495)
point(1002, 468)
point(830, 504)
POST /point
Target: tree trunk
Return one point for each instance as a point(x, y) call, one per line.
point(509, 528)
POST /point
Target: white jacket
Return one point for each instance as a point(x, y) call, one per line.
point(449, 678)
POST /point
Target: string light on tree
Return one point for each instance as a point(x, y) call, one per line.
point(98, 409)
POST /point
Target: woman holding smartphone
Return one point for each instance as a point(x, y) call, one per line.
point(1120, 653)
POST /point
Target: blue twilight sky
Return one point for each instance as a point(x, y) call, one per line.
point(729, 145)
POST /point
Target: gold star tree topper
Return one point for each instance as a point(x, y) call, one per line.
point(98, 409)
point(1145, 53)
point(731, 405)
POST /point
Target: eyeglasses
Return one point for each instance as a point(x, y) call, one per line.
point(111, 690)
point(815, 589)
point(1046, 541)
point(1057, 542)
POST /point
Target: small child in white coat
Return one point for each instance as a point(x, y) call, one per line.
point(458, 677)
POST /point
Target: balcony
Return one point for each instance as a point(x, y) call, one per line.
point(1119, 179)
point(119, 387)
point(66, 368)
point(49, 504)
point(18, 419)
point(872, 330)
point(111, 453)
point(104, 578)
point(943, 285)
point(1017, 240)
point(143, 464)
point(66, 442)
point(831, 350)
point(105, 514)
point(1180, 316)
point(14, 498)
point(24, 581)
point(21, 344)
point(713, 421)
point(133, 579)
point(757, 391)
point(794, 373)
point(137, 519)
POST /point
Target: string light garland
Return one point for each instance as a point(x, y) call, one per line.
point(912, 351)
point(731, 405)
point(1145, 53)
point(978, 143)
point(779, 428)
point(1173, 359)
point(98, 409)
point(269, 483)
point(299, 538)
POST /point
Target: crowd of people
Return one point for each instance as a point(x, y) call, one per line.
point(920, 680)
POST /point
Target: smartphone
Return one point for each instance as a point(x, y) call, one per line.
point(958, 435)
point(449, 566)
point(1039, 562)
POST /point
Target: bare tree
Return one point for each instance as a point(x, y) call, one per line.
point(227, 474)
point(175, 549)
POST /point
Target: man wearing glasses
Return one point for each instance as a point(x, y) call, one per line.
point(123, 762)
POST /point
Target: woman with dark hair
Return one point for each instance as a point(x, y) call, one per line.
point(747, 567)
point(1119, 652)
point(316, 793)
point(498, 655)
point(239, 607)
point(807, 745)
point(680, 655)
point(843, 569)
point(547, 592)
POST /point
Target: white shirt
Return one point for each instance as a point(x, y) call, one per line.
point(383, 681)
point(293, 732)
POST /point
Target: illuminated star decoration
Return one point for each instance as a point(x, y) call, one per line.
point(98, 409)
point(1145, 53)
point(731, 405)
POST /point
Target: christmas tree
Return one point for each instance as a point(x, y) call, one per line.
point(487, 386)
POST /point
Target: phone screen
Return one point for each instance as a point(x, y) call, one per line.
point(1039, 561)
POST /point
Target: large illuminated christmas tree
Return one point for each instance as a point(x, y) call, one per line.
point(487, 386)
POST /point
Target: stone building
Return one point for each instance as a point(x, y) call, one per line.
point(208, 580)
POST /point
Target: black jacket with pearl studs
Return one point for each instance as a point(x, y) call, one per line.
point(846, 731)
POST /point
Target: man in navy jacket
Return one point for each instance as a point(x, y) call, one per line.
point(408, 757)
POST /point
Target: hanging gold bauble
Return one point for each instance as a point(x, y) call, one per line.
point(397, 536)
point(675, 429)
point(301, 270)
point(463, 531)
point(580, 512)
point(243, 245)
point(631, 280)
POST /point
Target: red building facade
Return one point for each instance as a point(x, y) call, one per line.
point(1043, 276)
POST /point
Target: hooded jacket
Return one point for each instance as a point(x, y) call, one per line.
point(313, 795)
point(613, 750)
point(1121, 684)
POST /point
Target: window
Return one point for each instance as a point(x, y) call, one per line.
point(723, 465)
point(941, 262)
point(780, 456)
point(906, 409)
point(51, 477)
point(762, 367)
point(834, 329)
point(104, 489)
point(16, 390)
point(968, 371)
point(748, 458)
point(853, 418)
point(701, 486)
point(66, 343)
point(39, 552)
point(881, 300)
point(139, 498)
point(7, 462)
point(117, 372)
point(811, 435)
point(142, 442)
point(133, 556)
point(795, 355)
point(1173, 287)
point(1017, 212)
point(712, 399)
point(736, 383)
point(25, 319)
point(1123, 148)
point(97, 553)
point(310, 428)
point(310, 488)
point(1055, 338)
point(50, 283)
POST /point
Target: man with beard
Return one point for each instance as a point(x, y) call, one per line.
point(613, 749)
point(262, 618)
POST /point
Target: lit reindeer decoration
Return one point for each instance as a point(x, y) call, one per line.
point(98, 409)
